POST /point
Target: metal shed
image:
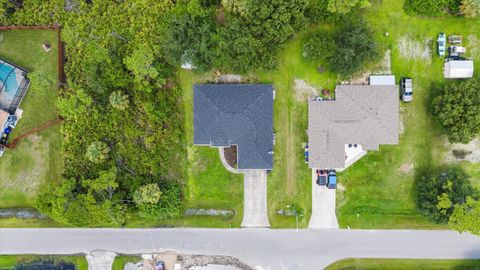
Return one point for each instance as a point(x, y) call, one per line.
point(458, 69)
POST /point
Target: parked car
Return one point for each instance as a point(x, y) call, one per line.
point(322, 177)
point(406, 89)
point(455, 39)
point(456, 50)
point(441, 44)
point(332, 179)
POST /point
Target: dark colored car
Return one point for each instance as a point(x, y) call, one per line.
point(322, 177)
point(160, 265)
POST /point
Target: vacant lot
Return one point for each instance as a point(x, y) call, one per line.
point(403, 264)
point(60, 262)
point(377, 192)
point(36, 159)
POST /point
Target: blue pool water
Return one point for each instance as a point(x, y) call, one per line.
point(9, 79)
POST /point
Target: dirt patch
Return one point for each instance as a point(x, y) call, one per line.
point(411, 49)
point(191, 262)
point(464, 152)
point(473, 48)
point(406, 168)
point(384, 67)
point(303, 90)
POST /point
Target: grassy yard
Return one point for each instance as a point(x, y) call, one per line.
point(121, 260)
point(8, 262)
point(36, 159)
point(403, 264)
point(376, 192)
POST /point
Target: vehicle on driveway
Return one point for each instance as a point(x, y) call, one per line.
point(406, 89)
point(322, 177)
point(441, 40)
point(332, 179)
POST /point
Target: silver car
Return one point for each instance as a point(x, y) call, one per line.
point(406, 89)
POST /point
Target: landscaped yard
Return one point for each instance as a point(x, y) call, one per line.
point(403, 264)
point(36, 159)
point(377, 191)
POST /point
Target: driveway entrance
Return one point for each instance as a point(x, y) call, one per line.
point(255, 199)
point(323, 206)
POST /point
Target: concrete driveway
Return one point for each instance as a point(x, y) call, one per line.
point(323, 206)
point(255, 199)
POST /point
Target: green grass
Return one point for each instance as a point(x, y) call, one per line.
point(36, 159)
point(403, 264)
point(374, 193)
point(121, 260)
point(8, 262)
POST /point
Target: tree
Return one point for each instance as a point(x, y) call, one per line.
point(118, 100)
point(140, 63)
point(437, 192)
point(470, 8)
point(466, 217)
point(97, 152)
point(345, 6)
point(430, 7)
point(457, 108)
point(319, 46)
point(355, 46)
point(147, 194)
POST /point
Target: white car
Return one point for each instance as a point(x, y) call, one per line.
point(406, 88)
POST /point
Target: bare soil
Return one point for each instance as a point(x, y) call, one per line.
point(411, 49)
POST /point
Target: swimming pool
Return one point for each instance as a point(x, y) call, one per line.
point(8, 77)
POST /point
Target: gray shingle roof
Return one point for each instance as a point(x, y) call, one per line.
point(360, 114)
point(236, 114)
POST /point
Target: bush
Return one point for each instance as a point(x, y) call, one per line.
point(355, 46)
point(319, 46)
point(168, 204)
point(457, 108)
point(438, 191)
point(431, 7)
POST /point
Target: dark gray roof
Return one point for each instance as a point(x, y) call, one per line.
point(360, 114)
point(236, 114)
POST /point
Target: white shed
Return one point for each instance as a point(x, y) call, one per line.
point(457, 69)
point(382, 79)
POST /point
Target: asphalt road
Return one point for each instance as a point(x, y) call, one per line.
point(260, 248)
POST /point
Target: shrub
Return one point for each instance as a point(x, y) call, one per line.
point(430, 7)
point(355, 46)
point(319, 46)
point(457, 108)
point(438, 191)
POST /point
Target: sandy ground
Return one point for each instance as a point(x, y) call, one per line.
point(303, 90)
point(411, 49)
point(471, 151)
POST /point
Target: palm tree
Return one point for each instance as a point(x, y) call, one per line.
point(119, 101)
point(97, 152)
point(470, 8)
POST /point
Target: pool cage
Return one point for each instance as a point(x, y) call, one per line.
point(13, 86)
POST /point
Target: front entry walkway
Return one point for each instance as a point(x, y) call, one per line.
point(323, 206)
point(255, 199)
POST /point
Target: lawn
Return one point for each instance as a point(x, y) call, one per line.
point(403, 264)
point(10, 261)
point(375, 192)
point(121, 260)
point(36, 159)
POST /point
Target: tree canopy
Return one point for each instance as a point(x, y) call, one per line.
point(457, 109)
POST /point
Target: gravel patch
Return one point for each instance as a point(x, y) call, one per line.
point(411, 49)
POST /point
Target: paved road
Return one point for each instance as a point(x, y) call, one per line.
point(261, 248)
point(255, 199)
point(323, 206)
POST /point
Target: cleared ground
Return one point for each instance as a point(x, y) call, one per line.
point(36, 159)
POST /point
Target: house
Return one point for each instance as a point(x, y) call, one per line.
point(360, 118)
point(458, 69)
point(238, 115)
